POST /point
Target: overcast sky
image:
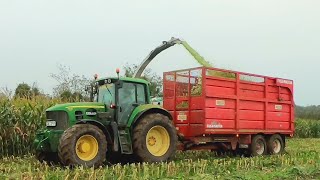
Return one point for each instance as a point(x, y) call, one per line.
point(275, 38)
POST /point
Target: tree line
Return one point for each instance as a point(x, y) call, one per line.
point(308, 112)
point(71, 87)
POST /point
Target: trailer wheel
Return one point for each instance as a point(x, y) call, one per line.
point(258, 146)
point(83, 144)
point(275, 145)
point(154, 138)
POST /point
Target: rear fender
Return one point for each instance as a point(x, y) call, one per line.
point(144, 110)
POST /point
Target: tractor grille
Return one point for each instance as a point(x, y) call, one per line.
point(61, 117)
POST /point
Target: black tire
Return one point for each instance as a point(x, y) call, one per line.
point(275, 145)
point(140, 132)
point(67, 146)
point(258, 146)
point(47, 157)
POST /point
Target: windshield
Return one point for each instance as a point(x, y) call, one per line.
point(106, 94)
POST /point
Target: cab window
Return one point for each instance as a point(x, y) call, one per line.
point(127, 94)
point(141, 94)
point(106, 94)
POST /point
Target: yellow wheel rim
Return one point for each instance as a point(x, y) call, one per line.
point(87, 147)
point(158, 141)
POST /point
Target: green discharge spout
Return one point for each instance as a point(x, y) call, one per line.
point(196, 55)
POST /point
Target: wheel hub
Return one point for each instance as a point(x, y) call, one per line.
point(158, 141)
point(260, 147)
point(152, 141)
point(87, 148)
point(276, 146)
point(84, 147)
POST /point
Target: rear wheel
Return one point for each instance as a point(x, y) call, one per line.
point(258, 146)
point(275, 144)
point(154, 138)
point(83, 144)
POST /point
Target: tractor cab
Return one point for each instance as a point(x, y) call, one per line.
point(122, 95)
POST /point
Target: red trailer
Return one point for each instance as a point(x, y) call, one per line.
point(226, 110)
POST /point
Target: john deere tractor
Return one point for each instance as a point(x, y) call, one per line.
point(119, 120)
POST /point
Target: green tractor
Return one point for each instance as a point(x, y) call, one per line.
point(120, 120)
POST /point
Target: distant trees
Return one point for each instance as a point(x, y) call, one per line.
point(308, 112)
point(154, 79)
point(24, 90)
point(71, 87)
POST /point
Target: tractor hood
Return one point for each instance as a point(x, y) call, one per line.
point(79, 105)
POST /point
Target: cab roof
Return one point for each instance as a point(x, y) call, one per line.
point(135, 80)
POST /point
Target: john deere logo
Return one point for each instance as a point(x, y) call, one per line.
point(91, 112)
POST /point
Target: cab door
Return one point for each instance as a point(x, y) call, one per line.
point(130, 96)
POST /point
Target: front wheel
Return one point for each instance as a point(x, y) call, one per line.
point(83, 144)
point(155, 138)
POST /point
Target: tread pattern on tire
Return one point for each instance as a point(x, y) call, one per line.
point(66, 148)
point(269, 144)
point(139, 137)
point(252, 149)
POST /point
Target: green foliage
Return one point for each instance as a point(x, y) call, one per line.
point(308, 112)
point(24, 90)
point(302, 161)
point(68, 96)
point(307, 128)
point(20, 118)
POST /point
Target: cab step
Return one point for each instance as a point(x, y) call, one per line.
point(125, 142)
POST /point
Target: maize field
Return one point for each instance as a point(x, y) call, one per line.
point(302, 161)
point(19, 121)
point(21, 118)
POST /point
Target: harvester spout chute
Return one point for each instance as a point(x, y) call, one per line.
point(165, 45)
